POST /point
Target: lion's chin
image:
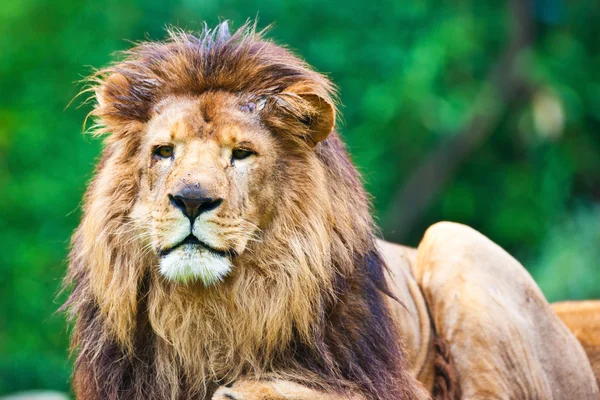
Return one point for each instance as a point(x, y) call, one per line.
point(190, 263)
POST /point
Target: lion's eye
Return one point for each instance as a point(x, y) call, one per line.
point(164, 151)
point(240, 154)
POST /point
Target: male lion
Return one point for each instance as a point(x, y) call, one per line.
point(226, 251)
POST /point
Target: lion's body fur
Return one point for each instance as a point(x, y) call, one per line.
point(310, 304)
point(583, 319)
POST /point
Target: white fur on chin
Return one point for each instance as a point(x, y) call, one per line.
point(190, 263)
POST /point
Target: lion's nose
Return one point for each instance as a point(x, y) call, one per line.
point(193, 201)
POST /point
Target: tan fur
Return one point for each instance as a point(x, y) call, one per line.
point(275, 390)
point(583, 319)
point(504, 339)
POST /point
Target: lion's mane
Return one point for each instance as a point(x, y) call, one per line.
point(310, 308)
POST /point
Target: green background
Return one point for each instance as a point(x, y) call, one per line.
point(412, 76)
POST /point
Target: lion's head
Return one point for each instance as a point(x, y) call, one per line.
point(213, 173)
point(215, 158)
point(212, 181)
point(226, 232)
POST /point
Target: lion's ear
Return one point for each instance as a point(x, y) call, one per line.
point(320, 117)
point(311, 106)
point(111, 88)
point(122, 103)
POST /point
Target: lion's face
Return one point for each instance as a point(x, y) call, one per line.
point(208, 187)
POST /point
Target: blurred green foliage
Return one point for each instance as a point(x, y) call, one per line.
point(409, 74)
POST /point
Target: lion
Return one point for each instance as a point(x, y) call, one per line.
point(227, 251)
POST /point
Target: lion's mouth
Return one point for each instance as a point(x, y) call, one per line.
point(193, 241)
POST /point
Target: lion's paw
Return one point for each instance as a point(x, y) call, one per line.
point(248, 390)
point(226, 394)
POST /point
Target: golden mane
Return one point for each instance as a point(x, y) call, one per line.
point(310, 305)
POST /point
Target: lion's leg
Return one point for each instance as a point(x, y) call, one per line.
point(504, 339)
point(275, 390)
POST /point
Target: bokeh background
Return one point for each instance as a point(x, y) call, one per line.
point(482, 112)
